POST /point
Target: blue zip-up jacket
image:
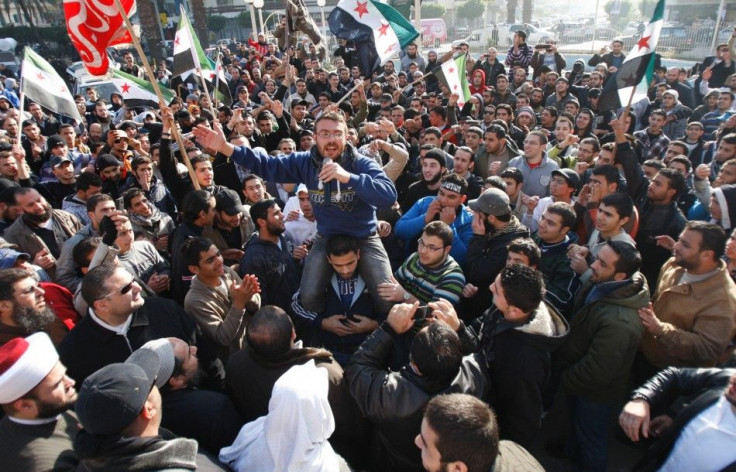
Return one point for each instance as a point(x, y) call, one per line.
point(411, 224)
point(355, 212)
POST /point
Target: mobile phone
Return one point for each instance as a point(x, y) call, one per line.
point(422, 313)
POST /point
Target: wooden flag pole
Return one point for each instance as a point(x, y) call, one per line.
point(206, 91)
point(408, 86)
point(349, 92)
point(154, 82)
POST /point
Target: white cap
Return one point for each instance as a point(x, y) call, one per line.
point(24, 363)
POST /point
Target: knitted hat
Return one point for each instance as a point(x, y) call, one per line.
point(24, 363)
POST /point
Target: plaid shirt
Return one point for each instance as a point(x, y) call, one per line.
point(653, 148)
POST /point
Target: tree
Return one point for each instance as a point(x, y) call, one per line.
point(526, 11)
point(471, 10)
point(150, 30)
point(244, 20)
point(216, 23)
point(511, 11)
point(646, 8)
point(618, 11)
point(433, 11)
point(200, 22)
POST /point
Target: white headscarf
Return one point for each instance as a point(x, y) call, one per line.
point(293, 436)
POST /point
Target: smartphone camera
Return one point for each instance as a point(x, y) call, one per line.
point(422, 313)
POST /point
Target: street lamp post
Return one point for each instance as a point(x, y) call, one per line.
point(259, 5)
point(253, 19)
point(321, 5)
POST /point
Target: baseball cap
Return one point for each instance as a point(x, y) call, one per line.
point(110, 399)
point(106, 160)
point(9, 256)
point(55, 141)
point(228, 201)
point(572, 178)
point(5, 146)
point(386, 97)
point(491, 202)
point(56, 161)
point(166, 357)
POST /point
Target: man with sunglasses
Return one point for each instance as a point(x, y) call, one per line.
point(23, 309)
point(119, 321)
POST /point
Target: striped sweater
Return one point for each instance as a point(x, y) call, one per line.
point(445, 281)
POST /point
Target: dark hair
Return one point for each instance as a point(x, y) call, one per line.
point(250, 177)
point(437, 352)
point(8, 277)
point(496, 181)
point(466, 430)
point(527, 247)
point(260, 209)
point(541, 135)
point(438, 155)
point(608, 172)
point(676, 180)
point(682, 145)
point(94, 283)
point(341, 244)
point(433, 130)
point(269, 332)
point(684, 161)
point(139, 161)
point(129, 195)
point(566, 212)
point(87, 180)
point(95, 200)
point(439, 111)
point(194, 203)
point(192, 249)
point(523, 287)
point(713, 237)
point(467, 149)
point(513, 173)
point(456, 180)
point(659, 112)
point(621, 202)
point(441, 230)
point(496, 129)
point(83, 250)
point(196, 159)
point(629, 259)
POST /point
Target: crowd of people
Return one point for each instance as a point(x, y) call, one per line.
point(338, 272)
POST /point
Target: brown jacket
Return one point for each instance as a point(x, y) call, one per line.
point(20, 234)
point(699, 318)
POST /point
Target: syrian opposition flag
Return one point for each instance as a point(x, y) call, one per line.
point(378, 31)
point(43, 85)
point(95, 25)
point(452, 75)
point(138, 93)
point(639, 64)
point(188, 53)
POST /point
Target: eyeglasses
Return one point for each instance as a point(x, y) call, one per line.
point(330, 134)
point(558, 181)
point(421, 244)
point(123, 290)
point(532, 143)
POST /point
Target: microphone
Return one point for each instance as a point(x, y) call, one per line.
point(321, 184)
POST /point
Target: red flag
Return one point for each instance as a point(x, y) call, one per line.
point(95, 25)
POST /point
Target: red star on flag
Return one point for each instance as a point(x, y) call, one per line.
point(455, 87)
point(389, 49)
point(451, 70)
point(644, 42)
point(362, 9)
point(383, 29)
point(212, 76)
point(125, 87)
point(176, 40)
point(40, 76)
point(62, 89)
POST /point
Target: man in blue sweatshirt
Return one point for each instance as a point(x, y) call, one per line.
point(344, 187)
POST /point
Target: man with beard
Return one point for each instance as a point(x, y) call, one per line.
point(273, 259)
point(100, 116)
point(690, 321)
point(433, 168)
point(47, 124)
point(345, 188)
point(34, 145)
point(41, 230)
point(207, 416)
point(10, 126)
point(232, 227)
point(23, 310)
point(148, 222)
point(36, 395)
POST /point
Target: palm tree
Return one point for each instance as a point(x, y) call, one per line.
point(149, 27)
point(511, 11)
point(200, 22)
point(526, 11)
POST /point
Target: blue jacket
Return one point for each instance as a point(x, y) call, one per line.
point(411, 224)
point(354, 213)
point(362, 304)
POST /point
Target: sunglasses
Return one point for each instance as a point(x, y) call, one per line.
point(120, 140)
point(123, 290)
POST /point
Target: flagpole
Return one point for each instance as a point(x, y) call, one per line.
point(218, 65)
point(408, 86)
point(157, 89)
point(349, 92)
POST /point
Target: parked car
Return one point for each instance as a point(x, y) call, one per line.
point(434, 32)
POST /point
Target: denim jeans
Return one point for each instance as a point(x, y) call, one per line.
point(374, 267)
point(589, 443)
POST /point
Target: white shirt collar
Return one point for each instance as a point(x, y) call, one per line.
point(120, 329)
point(33, 422)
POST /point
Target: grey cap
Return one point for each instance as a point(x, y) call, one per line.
point(491, 202)
point(165, 351)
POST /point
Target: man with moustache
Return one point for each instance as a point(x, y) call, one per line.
point(36, 396)
point(345, 189)
point(23, 310)
point(40, 231)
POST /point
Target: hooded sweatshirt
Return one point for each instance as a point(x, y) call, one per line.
point(482, 87)
point(726, 197)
